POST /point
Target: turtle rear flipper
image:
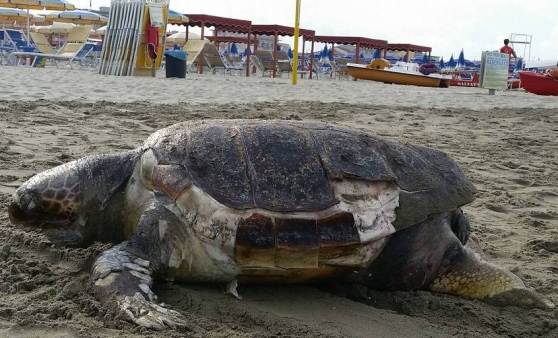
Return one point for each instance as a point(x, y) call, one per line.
point(122, 275)
point(430, 256)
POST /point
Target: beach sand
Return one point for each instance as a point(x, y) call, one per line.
point(507, 144)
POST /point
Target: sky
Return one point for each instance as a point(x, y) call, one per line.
point(446, 26)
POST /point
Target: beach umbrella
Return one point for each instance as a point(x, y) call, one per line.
point(324, 57)
point(376, 54)
point(78, 17)
point(442, 63)
point(424, 58)
point(234, 49)
point(36, 4)
point(247, 52)
point(175, 18)
point(290, 53)
point(361, 55)
point(461, 59)
point(451, 62)
point(13, 14)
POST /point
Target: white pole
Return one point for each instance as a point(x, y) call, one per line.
point(118, 37)
point(138, 34)
point(124, 32)
point(107, 43)
point(134, 31)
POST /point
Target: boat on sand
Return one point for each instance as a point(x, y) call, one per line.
point(405, 73)
point(540, 84)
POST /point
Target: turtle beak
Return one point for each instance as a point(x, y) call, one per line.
point(16, 214)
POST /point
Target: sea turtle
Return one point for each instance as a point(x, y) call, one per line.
point(249, 201)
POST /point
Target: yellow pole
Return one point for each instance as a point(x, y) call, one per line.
point(296, 31)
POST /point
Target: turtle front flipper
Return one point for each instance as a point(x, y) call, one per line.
point(123, 275)
point(126, 279)
point(464, 273)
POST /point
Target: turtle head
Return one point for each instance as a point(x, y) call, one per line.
point(72, 202)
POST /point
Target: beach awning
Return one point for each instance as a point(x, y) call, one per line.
point(279, 30)
point(359, 42)
point(220, 24)
point(352, 40)
point(407, 47)
point(226, 38)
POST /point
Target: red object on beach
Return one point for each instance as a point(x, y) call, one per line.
point(538, 83)
point(465, 78)
point(471, 78)
point(152, 41)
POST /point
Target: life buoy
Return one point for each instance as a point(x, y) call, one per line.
point(378, 64)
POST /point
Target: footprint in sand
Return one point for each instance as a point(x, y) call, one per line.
point(496, 208)
point(521, 181)
point(547, 215)
point(548, 196)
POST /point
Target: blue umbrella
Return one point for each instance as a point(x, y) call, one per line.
point(234, 49)
point(290, 53)
point(425, 58)
point(442, 63)
point(376, 54)
point(391, 58)
point(361, 55)
point(325, 54)
point(451, 62)
point(461, 59)
point(247, 52)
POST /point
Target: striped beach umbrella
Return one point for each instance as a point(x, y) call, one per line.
point(78, 17)
point(175, 18)
point(13, 14)
point(37, 4)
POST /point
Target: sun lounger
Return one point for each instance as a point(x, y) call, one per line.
point(193, 48)
point(74, 49)
point(217, 62)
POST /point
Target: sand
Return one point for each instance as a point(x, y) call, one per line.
point(507, 144)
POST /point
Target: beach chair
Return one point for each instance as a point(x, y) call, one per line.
point(193, 48)
point(340, 71)
point(216, 62)
point(71, 51)
point(15, 41)
point(263, 66)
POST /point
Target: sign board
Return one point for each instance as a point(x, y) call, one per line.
point(156, 15)
point(494, 70)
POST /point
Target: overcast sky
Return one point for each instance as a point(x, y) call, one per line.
point(446, 26)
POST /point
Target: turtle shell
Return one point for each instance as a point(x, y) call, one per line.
point(287, 166)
